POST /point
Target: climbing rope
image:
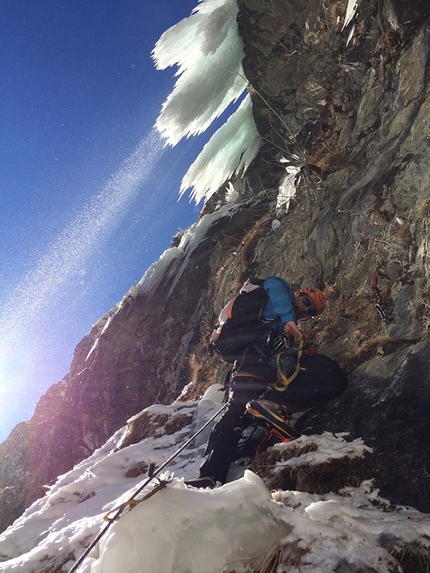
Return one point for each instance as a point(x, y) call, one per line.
point(115, 513)
point(283, 381)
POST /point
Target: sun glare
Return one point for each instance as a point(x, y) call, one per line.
point(31, 301)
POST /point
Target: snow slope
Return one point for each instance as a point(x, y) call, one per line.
point(240, 526)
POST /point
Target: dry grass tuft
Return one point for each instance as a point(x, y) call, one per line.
point(330, 326)
point(345, 331)
point(320, 479)
point(202, 375)
point(292, 555)
point(412, 558)
point(421, 210)
point(329, 159)
point(362, 352)
point(137, 470)
point(258, 231)
point(422, 312)
point(145, 425)
point(289, 555)
point(270, 562)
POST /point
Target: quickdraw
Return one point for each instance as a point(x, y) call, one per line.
point(380, 305)
point(115, 513)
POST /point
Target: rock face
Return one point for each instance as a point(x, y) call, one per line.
point(349, 107)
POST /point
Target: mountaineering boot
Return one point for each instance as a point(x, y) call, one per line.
point(272, 416)
point(201, 482)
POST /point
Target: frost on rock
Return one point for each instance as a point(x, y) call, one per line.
point(208, 51)
point(229, 152)
point(351, 532)
point(328, 447)
point(351, 10)
point(287, 188)
point(173, 261)
point(169, 267)
point(105, 321)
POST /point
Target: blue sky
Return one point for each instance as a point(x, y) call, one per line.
point(79, 95)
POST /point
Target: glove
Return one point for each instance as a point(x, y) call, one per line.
point(308, 349)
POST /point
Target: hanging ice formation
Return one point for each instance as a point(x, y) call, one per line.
point(229, 151)
point(208, 51)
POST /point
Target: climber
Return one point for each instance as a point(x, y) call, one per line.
point(255, 378)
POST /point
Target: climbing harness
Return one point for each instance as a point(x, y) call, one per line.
point(283, 381)
point(380, 304)
point(115, 513)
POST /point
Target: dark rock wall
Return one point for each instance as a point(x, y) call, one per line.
point(356, 116)
point(352, 113)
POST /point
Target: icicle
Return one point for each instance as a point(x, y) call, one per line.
point(208, 51)
point(229, 152)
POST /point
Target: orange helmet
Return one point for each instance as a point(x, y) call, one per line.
point(316, 297)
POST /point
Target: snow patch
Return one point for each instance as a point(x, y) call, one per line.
point(216, 518)
point(183, 529)
point(329, 447)
point(350, 34)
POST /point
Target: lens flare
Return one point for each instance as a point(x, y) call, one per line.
point(66, 257)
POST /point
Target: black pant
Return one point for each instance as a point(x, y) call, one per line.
point(319, 380)
point(228, 430)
